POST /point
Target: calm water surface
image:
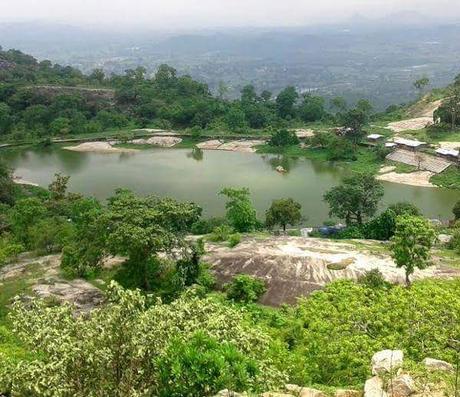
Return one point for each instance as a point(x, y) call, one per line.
point(198, 176)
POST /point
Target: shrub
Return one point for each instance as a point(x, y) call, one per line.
point(374, 279)
point(220, 233)
point(9, 250)
point(234, 240)
point(246, 289)
point(283, 138)
point(202, 366)
point(352, 232)
point(206, 226)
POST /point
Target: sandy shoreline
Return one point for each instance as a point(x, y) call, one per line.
point(417, 178)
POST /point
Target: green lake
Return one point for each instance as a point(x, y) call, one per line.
point(198, 176)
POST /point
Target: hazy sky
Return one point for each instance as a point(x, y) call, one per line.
point(175, 14)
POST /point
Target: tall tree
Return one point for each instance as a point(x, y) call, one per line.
point(240, 211)
point(411, 244)
point(356, 199)
point(283, 212)
point(285, 102)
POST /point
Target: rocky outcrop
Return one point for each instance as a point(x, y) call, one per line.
point(402, 386)
point(437, 365)
point(245, 146)
point(163, 141)
point(387, 361)
point(348, 393)
point(374, 388)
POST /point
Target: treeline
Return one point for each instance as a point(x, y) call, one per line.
point(165, 100)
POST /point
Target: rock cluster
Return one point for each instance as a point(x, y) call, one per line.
point(389, 380)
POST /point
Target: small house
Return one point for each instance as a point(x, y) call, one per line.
point(449, 154)
point(374, 138)
point(409, 144)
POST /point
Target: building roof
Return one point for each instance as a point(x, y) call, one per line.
point(390, 144)
point(448, 152)
point(374, 136)
point(408, 142)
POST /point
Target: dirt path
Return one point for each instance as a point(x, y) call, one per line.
point(421, 116)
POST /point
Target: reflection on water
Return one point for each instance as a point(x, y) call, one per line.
point(191, 175)
point(195, 154)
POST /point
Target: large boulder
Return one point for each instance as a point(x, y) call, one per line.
point(348, 393)
point(308, 392)
point(402, 386)
point(374, 388)
point(437, 365)
point(276, 394)
point(386, 361)
point(229, 393)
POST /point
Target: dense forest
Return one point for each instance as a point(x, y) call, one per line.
point(29, 107)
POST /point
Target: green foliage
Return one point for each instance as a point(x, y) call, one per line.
point(9, 250)
point(374, 279)
point(234, 240)
point(203, 365)
point(312, 108)
point(245, 289)
point(383, 226)
point(50, 235)
point(7, 188)
point(283, 212)
point(221, 233)
point(130, 348)
point(283, 138)
point(412, 242)
point(449, 178)
point(241, 214)
point(285, 102)
point(206, 226)
point(456, 210)
point(24, 214)
point(355, 199)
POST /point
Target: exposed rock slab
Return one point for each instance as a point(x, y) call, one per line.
point(437, 365)
point(417, 123)
point(293, 267)
point(417, 178)
point(402, 386)
point(374, 388)
point(98, 147)
point(245, 146)
point(163, 141)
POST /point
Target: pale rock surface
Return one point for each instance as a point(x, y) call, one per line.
point(386, 361)
point(437, 365)
point(276, 394)
point(348, 393)
point(229, 393)
point(402, 386)
point(374, 388)
point(308, 392)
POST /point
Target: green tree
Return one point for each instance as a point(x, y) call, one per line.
point(421, 83)
point(412, 242)
point(7, 186)
point(285, 102)
point(355, 119)
point(356, 199)
point(283, 212)
point(456, 210)
point(312, 108)
point(235, 119)
point(60, 126)
point(283, 138)
point(24, 215)
point(140, 228)
point(240, 212)
point(246, 289)
point(6, 121)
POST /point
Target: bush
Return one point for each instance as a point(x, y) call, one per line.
point(203, 366)
point(220, 233)
point(9, 250)
point(245, 289)
point(374, 279)
point(206, 226)
point(352, 232)
point(234, 240)
point(283, 138)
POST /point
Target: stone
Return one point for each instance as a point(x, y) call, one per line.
point(348, 393)
point(229, 393)
point(437, 365)
point(280, 169)
point(402, 386)
point(445, 238)
point(374, 388)
point(307, 392)
point(295, 389)
point(386, 361)
point(276, 394)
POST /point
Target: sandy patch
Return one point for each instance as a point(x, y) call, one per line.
point(232, 146)
point(450, 145)
point(417, 178)
point(163, 141)
point(98, 147)
point(386, 169)
point(304, 133)
point(410, 124)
